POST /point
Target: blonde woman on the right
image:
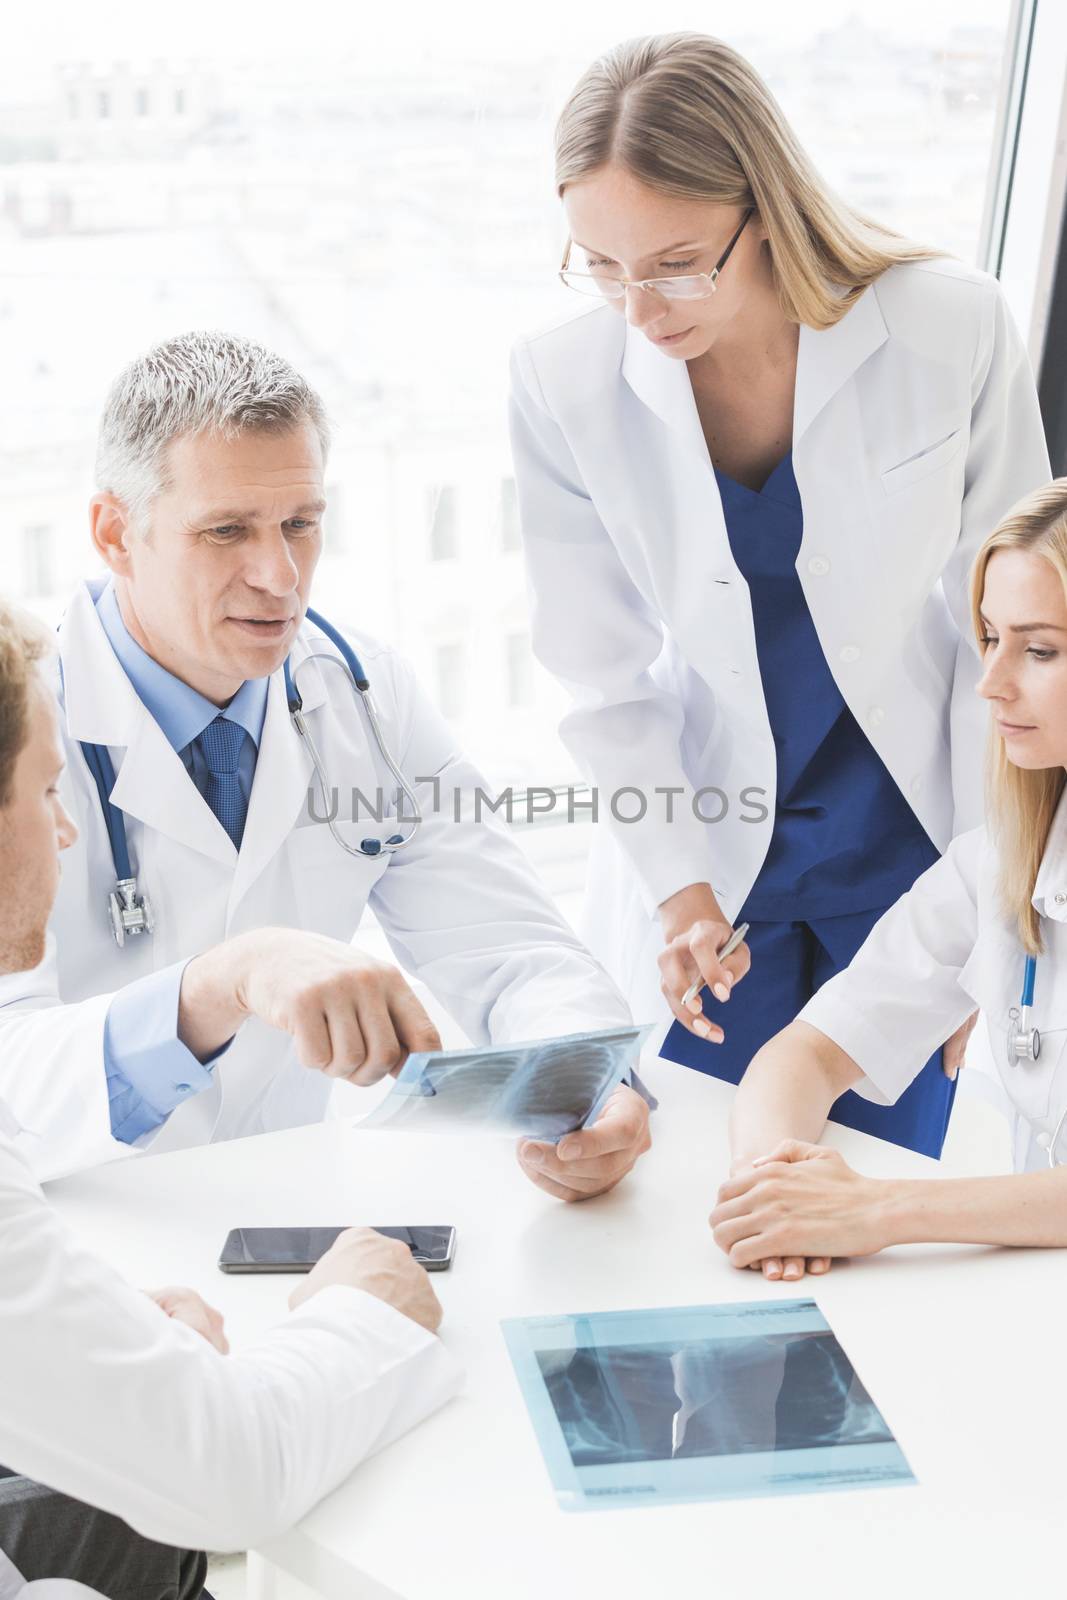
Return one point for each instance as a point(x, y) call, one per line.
point(985, 927)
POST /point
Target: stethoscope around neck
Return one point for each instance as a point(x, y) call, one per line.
point(1024, 1044)
point(352, 668)
point(130, 910)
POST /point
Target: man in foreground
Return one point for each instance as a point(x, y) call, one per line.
point(129, 1402)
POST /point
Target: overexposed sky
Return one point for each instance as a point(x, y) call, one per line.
point(247, 29)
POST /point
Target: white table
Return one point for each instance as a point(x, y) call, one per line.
point(963, 1350)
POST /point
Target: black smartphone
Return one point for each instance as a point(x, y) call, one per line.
point(298, 1249)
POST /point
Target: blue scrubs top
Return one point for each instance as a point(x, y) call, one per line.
point(845, 839)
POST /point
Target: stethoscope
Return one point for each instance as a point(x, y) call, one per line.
point(130, 911)
point(1024, 1044)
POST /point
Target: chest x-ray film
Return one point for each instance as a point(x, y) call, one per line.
point(540, 1090)
point(698, 1403)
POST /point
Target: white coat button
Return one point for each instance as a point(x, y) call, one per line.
point(1061, 898)
point(875, 716)
point(916, 785)
point(850, 653)
point(818, 566)
point(1044, 1140)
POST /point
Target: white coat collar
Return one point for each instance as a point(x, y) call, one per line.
point(152, 785)
point(101, 704)
point(828, 357)
point(1050, 889)
point(826, 360)
point(284, 769)
point(663, 385)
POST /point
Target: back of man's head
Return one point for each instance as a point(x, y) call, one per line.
point(23, 643)
point(34, 825)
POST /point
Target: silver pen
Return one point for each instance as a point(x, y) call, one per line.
point(735, 939)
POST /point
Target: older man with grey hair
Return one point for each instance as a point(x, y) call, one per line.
point(200, 982)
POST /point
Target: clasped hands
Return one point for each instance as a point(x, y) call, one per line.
point(793, 1210)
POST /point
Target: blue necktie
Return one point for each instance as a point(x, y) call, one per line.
point(222, 742)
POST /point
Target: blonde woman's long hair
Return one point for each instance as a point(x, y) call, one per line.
point(688, 116)
point(1021, 802)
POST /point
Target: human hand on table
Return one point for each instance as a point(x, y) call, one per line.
point(800, 1205)
point(789, 1268)
point(185, 1305)
point(695, 930)
point(592, 1160)
point(361, 1259)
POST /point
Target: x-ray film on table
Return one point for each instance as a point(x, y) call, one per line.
point(698, 1403)
point(541, 1090)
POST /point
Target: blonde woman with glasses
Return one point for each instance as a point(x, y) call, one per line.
point(753, 476)
point(987, 927)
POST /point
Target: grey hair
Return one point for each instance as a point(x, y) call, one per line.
point(202, 382)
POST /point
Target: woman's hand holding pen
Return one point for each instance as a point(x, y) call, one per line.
point(696, 932)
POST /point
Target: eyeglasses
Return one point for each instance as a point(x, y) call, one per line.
point(690, 286)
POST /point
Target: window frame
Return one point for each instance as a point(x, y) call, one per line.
point(1025, 199)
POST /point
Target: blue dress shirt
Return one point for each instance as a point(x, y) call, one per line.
point(150, 1072)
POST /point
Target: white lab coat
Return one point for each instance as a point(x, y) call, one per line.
point(943, 951)
point(915, 427)
point(104, 1397)
point(461, 907)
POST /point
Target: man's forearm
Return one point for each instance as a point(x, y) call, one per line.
point(1026, 1209)
point(209, 1006)
point(787, 1091)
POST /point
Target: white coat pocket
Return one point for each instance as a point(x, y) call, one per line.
point(923, 462)
point(1030, 1083)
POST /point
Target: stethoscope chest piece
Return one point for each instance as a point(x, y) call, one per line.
point(1024, 1042)
point(130, 912)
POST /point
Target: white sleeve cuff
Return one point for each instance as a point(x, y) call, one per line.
point(885, 1067)
point(344, 1305)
